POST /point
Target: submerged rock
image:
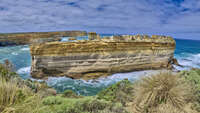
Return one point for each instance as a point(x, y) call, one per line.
point(175, 62)
point(92, 59)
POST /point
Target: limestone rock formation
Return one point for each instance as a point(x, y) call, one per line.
point(91, 59)
point(37, 37)
point(93, 36)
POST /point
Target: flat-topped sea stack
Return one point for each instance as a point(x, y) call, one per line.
point(90, 59)
point(36, 37)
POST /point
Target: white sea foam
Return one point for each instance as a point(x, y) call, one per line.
point(188, 61)
point(25, 49)
point(14, 53)
point(24, 70)
point(64, 39)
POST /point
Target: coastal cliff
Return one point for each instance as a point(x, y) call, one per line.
point(90, 59)
point(36, 37)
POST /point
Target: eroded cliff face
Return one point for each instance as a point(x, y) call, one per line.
point(36, 37)
point(101, 57)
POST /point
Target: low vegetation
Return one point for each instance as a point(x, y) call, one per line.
point(165, 92)
point(193, 77)
point(70, 94)
point(162, 89)
point(121, 92)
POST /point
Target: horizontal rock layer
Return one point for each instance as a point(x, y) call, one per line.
point(93, 59)
point(36, 37)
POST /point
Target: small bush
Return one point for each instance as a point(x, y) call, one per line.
point(119, 92)
point(163, 88)
point(6, 73)
point(69, 94)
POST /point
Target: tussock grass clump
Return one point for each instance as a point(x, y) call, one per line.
point(10, 93)
point(162, 88)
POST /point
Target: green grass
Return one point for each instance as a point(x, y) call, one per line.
point(193, 77)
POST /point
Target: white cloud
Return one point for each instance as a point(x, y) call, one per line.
point(103, 16)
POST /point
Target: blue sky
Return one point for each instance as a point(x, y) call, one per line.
point(178, 18)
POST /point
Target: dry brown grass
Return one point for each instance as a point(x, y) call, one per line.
point(163, 88)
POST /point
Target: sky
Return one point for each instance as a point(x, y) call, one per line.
point(177, 18)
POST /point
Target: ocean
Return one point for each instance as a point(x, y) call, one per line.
point(187, 53)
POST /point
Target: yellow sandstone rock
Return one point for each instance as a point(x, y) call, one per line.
point(92, 59)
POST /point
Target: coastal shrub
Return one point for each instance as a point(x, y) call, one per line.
point(59, 104)
point(119, 92)
point(96, 106)
point(193, 77)
point(47, 92)
point(52, 100)
point(5, 72)
point(70, 94)
point(162, 88)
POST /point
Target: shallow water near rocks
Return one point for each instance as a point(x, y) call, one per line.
point(187, 53)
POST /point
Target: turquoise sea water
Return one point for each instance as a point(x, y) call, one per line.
point(187, 52)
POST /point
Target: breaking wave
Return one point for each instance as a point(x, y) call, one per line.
point(24, 70)
point(188, 61)
point(25, 49)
